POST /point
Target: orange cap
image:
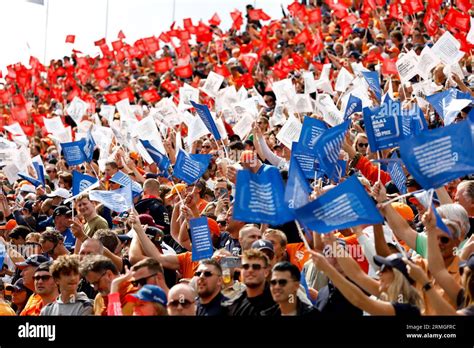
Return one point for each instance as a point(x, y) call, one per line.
point(404, 210)
point(10, 225)
point(213, 227)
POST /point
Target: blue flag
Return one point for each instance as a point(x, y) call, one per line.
point(305, 285)
point(354, 104)
point(190, 168)
point(206, 117)
point(373, 80)
point(201, 239)
point(124, 180)
point(306, 158)
point(310, 132)
point(161, 160)
point(81, 181)
point(346, 205)
point(30, 179)
point(39, 169)
point(3, 253)
point(260, 198)
point(382, 124)
point(328, 146)
point(73, 152)
point(438, 156)
point(426, 199)
point(297, 188)
point(444, 103)
point(397, 175)
point(89, 146)
point(413, 121)
point(117, 200)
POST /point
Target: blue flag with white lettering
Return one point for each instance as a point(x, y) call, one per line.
point(117, 200)
point(413, 121)
point(354, 104)
point(397, 175)
point(328, 146)
point(189, 167)
point(123, 179)
point(438, 156)
point(206, 117)
point(346, 205)
point(310, 132)
point(39, 169)
point(160, 159)
point(81, 181)
point(426, 199)
point(373, 80)
point(260, 198)
point(201, 239)
point(297, 189)
point(89, 146)
point(382, 124)
point(306, 158)
point(447, 103)
point(73, 152)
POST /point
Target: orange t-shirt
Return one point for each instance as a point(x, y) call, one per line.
point(187, 267)
point(202, 204)
point(355, 250)
point(297, 254)
point(6, 310)
point(34, 306)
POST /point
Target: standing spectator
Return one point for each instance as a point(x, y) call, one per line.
point(93, 221)
point(209, 285)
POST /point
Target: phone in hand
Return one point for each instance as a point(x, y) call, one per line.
point(223, 192)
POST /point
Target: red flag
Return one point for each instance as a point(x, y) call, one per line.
point(101, 73)
point(395, 11)
point(215, 20)
point(163, 65)
point(19, 100)
point(222, 70)
point(249, 60)
point(188, 23)
point(117, 45)
point(19, 113)
point(389, 66)
point(105, 50)
point(185, 71)
point(164, 37)
point(99, 42)
point(258, 14)
point(314, 16)
point(111, 98)
point(464, 5)
point(458, 20)
point(246, 80)
point(413, 6)
point(168, 86)
point(150, 96)
point(184, 35)
point(297, 10)
point(431, 22)
point(151, 44)
point(28, 129)
point(126, 93)
point(434, 4)
point(303, 37)
point(237, 20)
point(121, 35)
point(70, 38)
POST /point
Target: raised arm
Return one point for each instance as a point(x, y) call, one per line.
point(397, 223)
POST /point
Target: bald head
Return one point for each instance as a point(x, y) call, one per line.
point(91, 247)
point(151, 187)
point(181, 300)
point(247, 235)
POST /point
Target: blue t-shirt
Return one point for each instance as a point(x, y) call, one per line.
point(69, 239)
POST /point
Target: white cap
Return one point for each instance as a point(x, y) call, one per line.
point(28, 188)
point(60, 192)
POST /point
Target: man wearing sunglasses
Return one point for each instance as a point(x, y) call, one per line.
point(45, 286)
point(148, 271)
point(52, 243)
point(284, 285)
point(257, 296)
point(181, 300)
point(209, 285)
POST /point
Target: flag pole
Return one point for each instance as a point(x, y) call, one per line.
point(106, 19)
point(46, 33)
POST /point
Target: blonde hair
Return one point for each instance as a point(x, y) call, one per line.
point(278, 233)
point(401, 291)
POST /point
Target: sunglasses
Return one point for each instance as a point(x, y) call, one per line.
point(42, 277)
point(281, 282)
point(206, 274)
point(141, 281)
point(206, 146)
point(184, 303)
point(444, 240)
point(363, 145)
point(222, 223)
point(255, 266)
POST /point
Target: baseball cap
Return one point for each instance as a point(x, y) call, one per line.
point(176, 188)
point(147, 219)
point(33, 260)
point(394, 261)
point(28, 206)
point(263, 244)
point(149, 293)
point(18, 286)
point(10, 225)
point(213, 227)
point(62, 210)
point(60, 192)
point(354, 54)
point(27, 188)
point(404, 210)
